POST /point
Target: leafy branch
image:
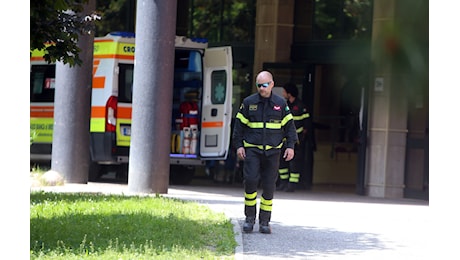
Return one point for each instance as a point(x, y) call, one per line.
point(55, 27)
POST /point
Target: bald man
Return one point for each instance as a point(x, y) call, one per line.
point(262, 122)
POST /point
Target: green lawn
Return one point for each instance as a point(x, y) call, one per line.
point(96, 226)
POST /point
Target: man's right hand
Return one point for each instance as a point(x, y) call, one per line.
point(288, 154)
point(241, 153)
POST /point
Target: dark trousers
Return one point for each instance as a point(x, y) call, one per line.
point(294, 166)
point(260, 166)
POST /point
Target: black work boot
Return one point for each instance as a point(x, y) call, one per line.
point(248, 225)
point(264, 227)
point(291, 187)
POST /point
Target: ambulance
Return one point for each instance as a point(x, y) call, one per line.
point(201, 112)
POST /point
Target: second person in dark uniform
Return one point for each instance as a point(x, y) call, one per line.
point(290, 171)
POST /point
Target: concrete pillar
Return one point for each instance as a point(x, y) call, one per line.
point(387, 111)
point(152, 96)
point(72, 109)
point(274, 30)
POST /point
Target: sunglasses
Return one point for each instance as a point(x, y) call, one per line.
point(265, 85)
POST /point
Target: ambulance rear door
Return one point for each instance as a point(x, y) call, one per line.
point(216, 103)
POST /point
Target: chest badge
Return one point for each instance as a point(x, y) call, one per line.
point(252, 107)
point(277, 108)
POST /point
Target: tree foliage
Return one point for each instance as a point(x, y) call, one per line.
point(116, 15)
point(224, 21)
point(55, 26)
point(342, 19)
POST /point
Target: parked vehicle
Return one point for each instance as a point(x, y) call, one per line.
point(201, 112)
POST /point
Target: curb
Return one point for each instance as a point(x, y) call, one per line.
point(239, 239)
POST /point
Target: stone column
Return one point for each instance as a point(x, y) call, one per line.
point(274, 30)
point(153, 84)
point(387, 110)
point(72, 110)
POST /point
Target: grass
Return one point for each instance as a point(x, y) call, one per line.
point(39, 169)
point(97, 226)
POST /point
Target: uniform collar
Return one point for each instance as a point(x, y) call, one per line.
point(269, 99)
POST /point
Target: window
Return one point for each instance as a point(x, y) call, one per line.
point(42, 83)
point(218, 86)
point(125, 81)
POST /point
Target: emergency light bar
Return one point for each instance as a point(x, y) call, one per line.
point(123, 34)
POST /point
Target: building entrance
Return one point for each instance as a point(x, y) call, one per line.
point(334, 95)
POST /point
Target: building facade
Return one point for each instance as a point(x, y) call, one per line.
point(368, 95)
point(362, 68)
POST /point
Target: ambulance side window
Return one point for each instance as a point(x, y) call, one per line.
point(125, 83)
point(42, 83)
point(218, 86)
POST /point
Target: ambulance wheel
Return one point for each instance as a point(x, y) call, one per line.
point(122, 172)
point(181, 175)
point(94, 171)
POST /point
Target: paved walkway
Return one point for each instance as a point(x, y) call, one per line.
point(311, 224)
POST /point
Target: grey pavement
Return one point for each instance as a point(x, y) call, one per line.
point(318, 224)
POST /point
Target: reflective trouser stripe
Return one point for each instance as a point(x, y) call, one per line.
point(284, 173)
point(265, 204)
point(250, 199)
point(294, 177)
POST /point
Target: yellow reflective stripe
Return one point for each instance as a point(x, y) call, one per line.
point(283, 170)
point(283, 173)
point(250, 196)
point(250, 202)
point(299, 130)
point(265, 204)
point(261, 147)
point(301, 117)
point(297, 118)
point(255, 125)
point(284, 176)
point(265, 207)
point(294, 177)
point(273, 125)
point(293, 180)
point(103, 48)
point(267, 125)
point(250, 199)
point(97, 125)
point(246, 145)
point(243, 119)
point(286, 119)
point(123, 140)
point(41, 130)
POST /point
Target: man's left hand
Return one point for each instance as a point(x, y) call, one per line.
point(288, 154)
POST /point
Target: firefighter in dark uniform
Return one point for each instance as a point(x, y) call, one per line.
point(289, 172)
point(261, 124)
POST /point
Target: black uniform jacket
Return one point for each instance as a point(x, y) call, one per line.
point(263, 123)
point(301, 117)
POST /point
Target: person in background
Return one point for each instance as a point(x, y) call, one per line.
point(290, 171)
point(262, 122)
